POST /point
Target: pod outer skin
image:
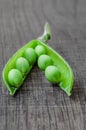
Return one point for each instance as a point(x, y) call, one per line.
point(67, 77)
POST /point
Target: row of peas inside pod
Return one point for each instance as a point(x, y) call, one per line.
point(46, 64)
point(23, 64)
point(22, 67)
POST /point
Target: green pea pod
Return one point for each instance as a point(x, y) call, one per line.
point(67, 77)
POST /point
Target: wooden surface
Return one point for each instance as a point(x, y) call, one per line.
point(39, 105)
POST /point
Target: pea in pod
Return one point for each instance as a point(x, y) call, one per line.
point(35, 49)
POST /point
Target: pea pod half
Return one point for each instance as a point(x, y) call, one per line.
point(67, 78)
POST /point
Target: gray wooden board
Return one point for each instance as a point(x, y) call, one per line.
point(40, 105)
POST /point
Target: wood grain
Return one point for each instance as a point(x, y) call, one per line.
point(39, 105)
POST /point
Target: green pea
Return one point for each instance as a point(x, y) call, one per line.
point(22, 65)
point(44, 61)
point(30, 55)
point(15, 77)
point(52, 74)
point(40, 50)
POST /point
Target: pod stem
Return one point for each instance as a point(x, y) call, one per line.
point(47, 33)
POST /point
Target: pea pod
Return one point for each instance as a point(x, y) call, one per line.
point(67, 77)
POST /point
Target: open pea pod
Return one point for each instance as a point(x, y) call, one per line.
point(67, 77)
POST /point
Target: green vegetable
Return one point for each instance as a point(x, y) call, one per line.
point(22, 65)
point(63, 76)
point(52, 74)
point(30, 55)
point(15, 77)
point(44, 61)
point(40, 50)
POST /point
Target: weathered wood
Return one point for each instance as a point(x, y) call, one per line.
point(39, 105)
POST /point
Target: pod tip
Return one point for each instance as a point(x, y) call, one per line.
point(47, 33)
